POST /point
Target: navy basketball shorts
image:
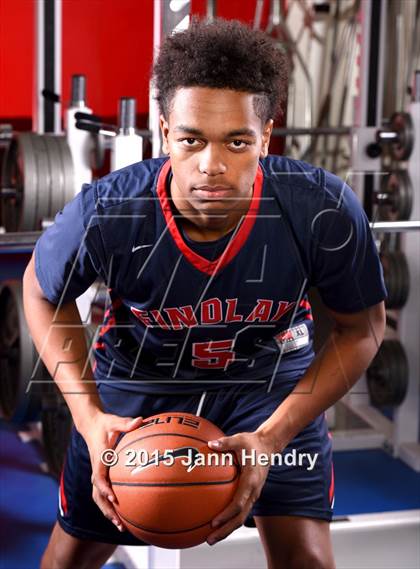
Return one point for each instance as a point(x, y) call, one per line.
point(299, 486)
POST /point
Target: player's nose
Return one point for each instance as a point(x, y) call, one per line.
point(211, 161)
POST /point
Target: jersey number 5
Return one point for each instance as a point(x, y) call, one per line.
point(213, 355)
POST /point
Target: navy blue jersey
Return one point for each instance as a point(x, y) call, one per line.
point(207, 314)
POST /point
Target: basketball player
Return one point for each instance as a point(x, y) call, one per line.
point(208, 255)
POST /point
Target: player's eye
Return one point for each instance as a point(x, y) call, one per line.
point(190, 142)
point(238, 144)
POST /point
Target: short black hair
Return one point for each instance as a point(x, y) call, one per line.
point(223, 54)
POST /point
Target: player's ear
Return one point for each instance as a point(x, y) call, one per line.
point(164, 128)
point(266, 135)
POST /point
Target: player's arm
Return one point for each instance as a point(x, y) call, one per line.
point(347, 353)
point(57, 333)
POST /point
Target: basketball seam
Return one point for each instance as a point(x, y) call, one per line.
point(164, 484)
point(160, 531)
point(162, 435)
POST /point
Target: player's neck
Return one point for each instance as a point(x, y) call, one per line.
point(203, 226)
point(198, 233)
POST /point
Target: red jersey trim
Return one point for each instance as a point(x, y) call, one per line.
point(233, 247)
point(63, 497)
point(331, 489)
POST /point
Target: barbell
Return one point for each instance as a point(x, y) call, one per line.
point(387, 375)
point(37, 180)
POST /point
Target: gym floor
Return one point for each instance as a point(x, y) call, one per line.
point(366, 482)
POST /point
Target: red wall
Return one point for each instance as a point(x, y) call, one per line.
point(110, 41)
point(16, 57)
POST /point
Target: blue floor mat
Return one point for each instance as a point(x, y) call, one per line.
point(27, 502)
point(373, 481)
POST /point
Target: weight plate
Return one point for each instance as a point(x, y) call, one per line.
point(18, 357)
point(57, 175)
point(27, 165)
point(397, 185)
point(397, 278)
point(10, 178)
point(19, 168)
point(396, 268)
point(387, 376)
point(402, 123)
point(40, 170)
point(405, 275)
point(68, 169)
point(405, 196)
point(402, 272)
point(43, 179)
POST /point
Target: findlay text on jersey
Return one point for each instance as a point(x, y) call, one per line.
point(212, 311)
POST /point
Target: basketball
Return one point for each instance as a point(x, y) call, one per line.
point(169, 484)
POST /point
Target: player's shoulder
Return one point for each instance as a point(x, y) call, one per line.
point(290, 178)
point(283, 170)
point(134, 181)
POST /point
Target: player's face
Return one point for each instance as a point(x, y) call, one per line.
point(214, 139)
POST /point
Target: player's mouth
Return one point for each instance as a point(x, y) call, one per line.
point(212, 192)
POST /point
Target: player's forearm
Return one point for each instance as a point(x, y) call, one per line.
point(59, 339)
point(341, 362)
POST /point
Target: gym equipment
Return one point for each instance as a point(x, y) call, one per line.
point(81, 143)
point(395, 226)
point(399, 136)
point(395, 200)
point(56, 423)
point(397, 278)
point(387, 376)
point(20, 401)
point(128, 145)
point(166, 496)
point(125, 140)
point(37, 180)
point(18, 358)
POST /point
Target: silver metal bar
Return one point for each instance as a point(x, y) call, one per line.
point(316, 131)
point(58, 61)
point(211, 10)
point(127, 115)
point(78, 91)
point(44, 30)
point(37, 101)
point(383, 136)
point(387, 136)
point(395, 226)
point(16, 240)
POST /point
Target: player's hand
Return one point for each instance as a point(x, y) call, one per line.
point(251, 481)
point(101, 435)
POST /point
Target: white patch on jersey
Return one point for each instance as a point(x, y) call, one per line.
point(293, 338)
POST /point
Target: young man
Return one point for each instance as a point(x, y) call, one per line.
point(208, 256)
